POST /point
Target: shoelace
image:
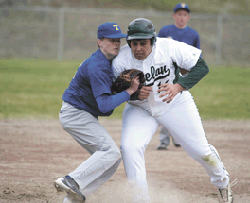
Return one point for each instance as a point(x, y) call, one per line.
point(234, 182)
point(224, 192)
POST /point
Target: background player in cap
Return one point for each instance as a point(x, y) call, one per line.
point(164, 100)
point(87, 97)
point(181, 32)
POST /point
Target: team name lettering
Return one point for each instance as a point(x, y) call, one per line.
point(116, 27)
point(157, 74)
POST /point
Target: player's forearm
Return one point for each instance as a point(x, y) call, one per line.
point(178, 88)
point(110, 102)
point(195, 75)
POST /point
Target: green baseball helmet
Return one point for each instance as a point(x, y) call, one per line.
point(141, 28)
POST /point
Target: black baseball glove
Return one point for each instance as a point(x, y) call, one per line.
point(123, 81)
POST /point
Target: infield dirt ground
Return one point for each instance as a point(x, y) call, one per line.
point(36, 152)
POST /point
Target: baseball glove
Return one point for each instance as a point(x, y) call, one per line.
point(123, 81)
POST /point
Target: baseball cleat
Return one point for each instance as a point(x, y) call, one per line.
point(226, 195)
point(162, 146)
point(175, 144)
point(69, 185)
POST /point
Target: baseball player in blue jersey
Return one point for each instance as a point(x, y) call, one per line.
point(87, 97)
point(164, 100)
point(182, 33)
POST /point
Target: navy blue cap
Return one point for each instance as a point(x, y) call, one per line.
point(110, 30)
point(181, 6)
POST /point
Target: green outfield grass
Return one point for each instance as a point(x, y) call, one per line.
point(202, 6)
point(33, 89)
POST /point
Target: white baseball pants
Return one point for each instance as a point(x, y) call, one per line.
point(184, 124)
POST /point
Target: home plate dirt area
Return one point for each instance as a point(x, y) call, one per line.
point(36, 152)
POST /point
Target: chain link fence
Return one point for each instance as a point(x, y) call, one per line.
point(64, 33)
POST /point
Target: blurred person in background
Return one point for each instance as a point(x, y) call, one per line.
point(181, 32)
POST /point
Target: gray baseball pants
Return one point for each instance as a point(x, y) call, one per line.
point(88, 132)
point(165, 136)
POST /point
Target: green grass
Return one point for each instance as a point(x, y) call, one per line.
point(33, 89)
point(202, 6)
point(224, 93)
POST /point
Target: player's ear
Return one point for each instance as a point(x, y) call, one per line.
point(99, 42)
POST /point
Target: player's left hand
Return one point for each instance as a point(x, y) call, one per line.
point(171, 90)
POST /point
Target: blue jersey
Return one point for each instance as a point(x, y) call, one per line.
point(90, 88)
point(187, 35)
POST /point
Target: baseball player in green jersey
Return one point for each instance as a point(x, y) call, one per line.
point(164, 100)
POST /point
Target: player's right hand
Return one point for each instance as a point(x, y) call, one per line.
point(144, 92)
point(134, 85)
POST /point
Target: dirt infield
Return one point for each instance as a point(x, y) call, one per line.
point(36, 152)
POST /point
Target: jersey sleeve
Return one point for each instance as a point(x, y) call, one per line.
point(184, 55)
point(107, 103)
point(101, 83)
point(195, 74)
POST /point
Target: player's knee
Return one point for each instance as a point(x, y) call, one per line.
point(115, 159)
point(129, 147)
point(110, 157)
point(199, 152)
point(125, 147)
point(115, 154)
point(199, 156)
point(209, 156)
